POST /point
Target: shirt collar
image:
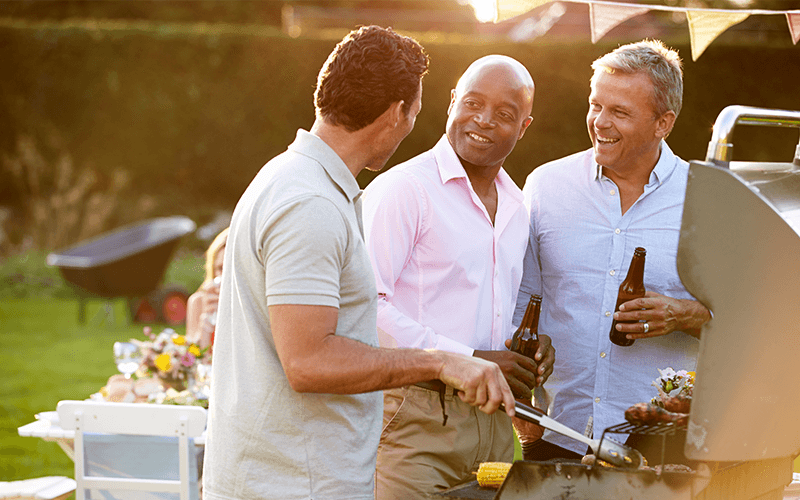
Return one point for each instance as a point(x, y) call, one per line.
point(664, 167)
point(310, 145)
point(450, 168)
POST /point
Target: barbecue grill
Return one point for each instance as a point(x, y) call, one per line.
point(739, 254)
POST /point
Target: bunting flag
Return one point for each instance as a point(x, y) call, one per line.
point(706, 26)
point(603, 18)
point(793, 18)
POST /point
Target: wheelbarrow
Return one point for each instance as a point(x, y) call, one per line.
point(129, 262)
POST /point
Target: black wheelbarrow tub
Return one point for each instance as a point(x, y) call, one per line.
point(127, 262)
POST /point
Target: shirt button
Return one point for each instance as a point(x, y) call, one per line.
point(602, 355)
point(612, 192)
point(498, 314)
point(612, 272)
point(617, 231)
point(596, 400)
point(608, 313)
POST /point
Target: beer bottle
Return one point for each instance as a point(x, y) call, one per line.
point(631, 288)
point(526, 339)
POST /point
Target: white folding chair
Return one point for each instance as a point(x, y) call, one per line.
point(134, 451)
point(40, 488)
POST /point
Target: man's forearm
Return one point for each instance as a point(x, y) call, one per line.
point(345, 366)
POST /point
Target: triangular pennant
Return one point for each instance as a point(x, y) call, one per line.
point(793, 18)
point(603, 18)
point(506, 9)
point(706, 26)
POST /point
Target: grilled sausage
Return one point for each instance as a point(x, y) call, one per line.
point(650, 414)
point(678, 404)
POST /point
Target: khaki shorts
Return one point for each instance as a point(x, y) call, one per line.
point(418, 456)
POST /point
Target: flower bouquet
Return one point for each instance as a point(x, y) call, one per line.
point(674, 390)
point(170, 357)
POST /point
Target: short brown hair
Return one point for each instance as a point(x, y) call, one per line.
point(371, 68)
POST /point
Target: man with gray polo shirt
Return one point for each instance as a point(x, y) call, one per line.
point(295, 409)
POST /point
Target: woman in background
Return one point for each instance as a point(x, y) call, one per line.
point(201, 314)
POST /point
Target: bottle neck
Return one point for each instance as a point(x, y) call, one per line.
point(536, 303)
point(633, 285)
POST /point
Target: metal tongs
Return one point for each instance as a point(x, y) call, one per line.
point(604, 449)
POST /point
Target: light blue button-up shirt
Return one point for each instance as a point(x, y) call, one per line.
point(579, 252)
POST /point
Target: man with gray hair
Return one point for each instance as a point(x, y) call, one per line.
point(588, 212)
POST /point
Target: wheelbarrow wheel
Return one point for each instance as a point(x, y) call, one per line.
point(142, 310)
point(172, 305)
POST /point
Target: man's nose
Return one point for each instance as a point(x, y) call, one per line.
point(601, 119)
point(484, 118)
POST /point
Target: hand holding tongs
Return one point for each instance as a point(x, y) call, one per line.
point(608, 450)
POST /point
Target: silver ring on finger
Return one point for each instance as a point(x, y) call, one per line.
point(646, 327)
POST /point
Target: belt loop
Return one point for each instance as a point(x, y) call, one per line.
point(442, 390)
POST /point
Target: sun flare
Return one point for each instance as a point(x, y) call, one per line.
point(485, 10)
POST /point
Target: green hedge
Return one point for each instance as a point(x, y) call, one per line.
point(191, 112)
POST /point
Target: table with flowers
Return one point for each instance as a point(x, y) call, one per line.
point(166, 369)
point(162, 369)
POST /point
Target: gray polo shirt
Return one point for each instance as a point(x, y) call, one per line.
point(295, 238)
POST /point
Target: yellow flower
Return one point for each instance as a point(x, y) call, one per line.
point(178, 339)
point(194, 350)
point(163, 362)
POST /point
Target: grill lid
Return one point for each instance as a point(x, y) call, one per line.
point(739, 254)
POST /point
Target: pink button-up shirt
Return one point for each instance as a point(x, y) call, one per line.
point(447, 278)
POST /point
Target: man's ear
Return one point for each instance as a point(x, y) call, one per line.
point(452, 101)
point(524, 127)
point(395, 113)
point(664, 124)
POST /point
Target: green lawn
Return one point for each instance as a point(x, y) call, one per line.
point(46, 356)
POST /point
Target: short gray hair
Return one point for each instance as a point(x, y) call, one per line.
point(661, 64)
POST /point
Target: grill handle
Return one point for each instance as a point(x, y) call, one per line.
point(720, 149)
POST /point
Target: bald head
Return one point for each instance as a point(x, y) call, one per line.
point(489, 111)
point(513, 72)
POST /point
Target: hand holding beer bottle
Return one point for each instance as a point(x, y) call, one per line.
point(520, 366)
point(525, 340)
point(631, 288)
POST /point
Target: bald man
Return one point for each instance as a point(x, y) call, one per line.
point(447, 233)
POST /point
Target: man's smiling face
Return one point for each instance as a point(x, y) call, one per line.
point(622, 122)
point(488, 114)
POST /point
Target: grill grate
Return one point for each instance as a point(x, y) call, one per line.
point(663, 429)
point(659, 429)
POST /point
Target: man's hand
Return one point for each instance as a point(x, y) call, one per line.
point(662, 315)
point(479, 382)
point(522, 372)
point(518, 370)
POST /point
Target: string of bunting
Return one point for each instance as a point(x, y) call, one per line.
point(705, 25)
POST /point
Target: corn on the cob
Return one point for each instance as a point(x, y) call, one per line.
point(492, 474)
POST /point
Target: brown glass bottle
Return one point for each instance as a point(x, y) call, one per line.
point(525, 340)
point(631, 288)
